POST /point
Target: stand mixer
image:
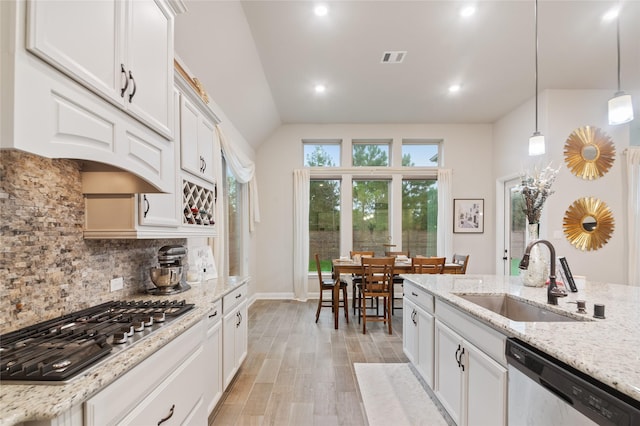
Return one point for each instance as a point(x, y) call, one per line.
point(170, 276)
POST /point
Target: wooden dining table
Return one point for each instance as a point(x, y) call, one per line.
point(349, 266)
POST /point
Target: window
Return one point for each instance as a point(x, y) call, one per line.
point(370, 215)
point(321, 154)
point(324, 222)
point(370, 153)
point(233, 189)
point(367, 204)
point(419, 216)
point(420, 153)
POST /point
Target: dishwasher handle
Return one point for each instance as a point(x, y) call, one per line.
point(557, 392)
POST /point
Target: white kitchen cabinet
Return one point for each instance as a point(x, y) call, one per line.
point(471, 385)
point(418, 329)
point(212, 373)
point(234, 332)
point(121, 50)
point(167, 385)
point(198, 140)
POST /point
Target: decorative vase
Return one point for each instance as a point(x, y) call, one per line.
point(538, 271)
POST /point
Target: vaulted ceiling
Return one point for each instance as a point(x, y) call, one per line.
point(260, 60)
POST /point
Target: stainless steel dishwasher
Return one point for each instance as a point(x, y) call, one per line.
point(544, 391)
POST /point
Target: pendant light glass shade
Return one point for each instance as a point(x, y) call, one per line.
point(536, 144)
point(620, 109)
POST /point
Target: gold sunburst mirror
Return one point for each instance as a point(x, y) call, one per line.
point(588, 223)
point(589, 152)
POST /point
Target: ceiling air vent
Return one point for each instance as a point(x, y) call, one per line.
point(393, 57)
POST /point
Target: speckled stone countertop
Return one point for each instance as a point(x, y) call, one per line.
point(605, 349)
point(21, 403)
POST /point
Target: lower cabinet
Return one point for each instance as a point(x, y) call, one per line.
point(167, 388)
point(471, 386)
point(418, 339)
point(213, 357)
point(234, 332)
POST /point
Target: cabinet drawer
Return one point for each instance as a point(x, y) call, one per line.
point(232, 299)
point(214, 316)
point(175, 398)
point(419, 296)
point(122, 396)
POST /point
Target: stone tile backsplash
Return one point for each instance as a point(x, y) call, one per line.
point(47, 268)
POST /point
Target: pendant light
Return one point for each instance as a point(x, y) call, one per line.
point(620, 106)
point(536, 141)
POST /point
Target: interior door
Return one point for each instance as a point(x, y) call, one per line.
point(515, 227)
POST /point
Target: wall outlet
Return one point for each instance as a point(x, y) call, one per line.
point(117, 284)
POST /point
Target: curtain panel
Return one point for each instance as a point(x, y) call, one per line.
point(445, 214)
point(633, 213)
point(301, 188)
point(244, 171)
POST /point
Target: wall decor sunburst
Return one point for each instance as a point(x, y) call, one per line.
point(588, 223)
point(589, 152)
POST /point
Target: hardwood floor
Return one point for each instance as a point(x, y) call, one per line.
point(298, 372)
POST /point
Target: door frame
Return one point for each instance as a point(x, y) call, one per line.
point(501, 210)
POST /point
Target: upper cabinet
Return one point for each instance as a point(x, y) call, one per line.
point(198, 137)
point(126, 53)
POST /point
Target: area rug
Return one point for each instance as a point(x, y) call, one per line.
point(392, 395)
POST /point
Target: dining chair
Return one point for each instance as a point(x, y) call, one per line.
point(427, 265)
point(397, 280)
point(377, 282)
point(328, 284)
point(462, 260)
point(357, 279)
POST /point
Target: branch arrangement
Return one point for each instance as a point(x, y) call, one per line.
point(535, 190)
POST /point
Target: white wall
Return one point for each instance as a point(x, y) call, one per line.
point(467, 151)
point(562, 111)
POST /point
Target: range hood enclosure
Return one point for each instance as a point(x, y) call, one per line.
point(100, 178)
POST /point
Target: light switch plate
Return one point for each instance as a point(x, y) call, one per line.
point(117, 284)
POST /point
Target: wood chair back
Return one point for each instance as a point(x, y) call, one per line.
point(427, 265)
point(319, 268)
point(462, 260)
point(377, 275)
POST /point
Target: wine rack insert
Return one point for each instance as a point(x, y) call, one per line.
point(198, 204)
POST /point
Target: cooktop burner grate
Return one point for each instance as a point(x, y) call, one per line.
point(58, 349)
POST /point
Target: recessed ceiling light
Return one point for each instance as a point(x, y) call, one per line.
point(320, 88)
point(321, 10)
point(611, 14)
point(454, 88)
point(467, 11)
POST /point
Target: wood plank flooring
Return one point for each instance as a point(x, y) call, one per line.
point(298, 372)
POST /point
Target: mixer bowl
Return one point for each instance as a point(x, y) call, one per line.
point(164, 277)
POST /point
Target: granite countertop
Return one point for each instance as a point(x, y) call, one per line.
point(605, 349)
point(20, 403)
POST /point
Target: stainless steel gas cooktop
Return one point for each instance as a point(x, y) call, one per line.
point(55, 351)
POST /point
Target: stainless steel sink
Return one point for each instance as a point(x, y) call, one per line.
point(516, 309)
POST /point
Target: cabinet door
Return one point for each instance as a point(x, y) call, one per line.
point(230, 324)
point(206, 136)
point(213, 365)
point(424, 361)
point(189, 119)
point(242, 334)
point(158, 210)
point(149, 64)
point(448, 375)
point(88, 49)
point(409, 331)
point(486, 388)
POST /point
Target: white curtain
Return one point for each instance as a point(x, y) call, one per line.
point(301, 234)
point(633, 213)
point(244, 171)
point(445, 215)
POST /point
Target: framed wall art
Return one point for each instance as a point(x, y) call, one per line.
point(468, 215)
